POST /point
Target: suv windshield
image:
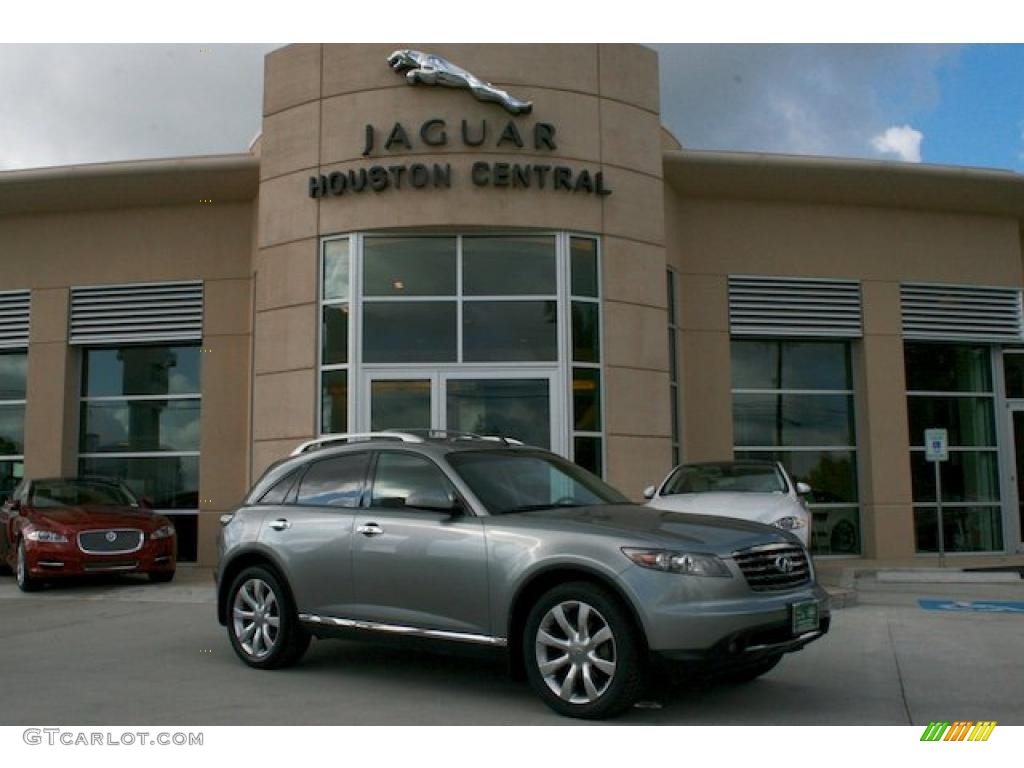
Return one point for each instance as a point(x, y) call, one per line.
point(74, 493)
point(520, 481)
point(727, 477)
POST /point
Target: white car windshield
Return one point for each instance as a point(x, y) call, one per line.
point(725, 477)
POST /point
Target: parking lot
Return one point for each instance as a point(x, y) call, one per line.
point(127, 652)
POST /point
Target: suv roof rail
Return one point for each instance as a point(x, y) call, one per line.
point(323, 440)
point(453, 434)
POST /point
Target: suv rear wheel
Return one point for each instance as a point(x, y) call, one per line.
point(581, 651)
point(262, 623)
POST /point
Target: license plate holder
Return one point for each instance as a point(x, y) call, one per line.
point(805, 617)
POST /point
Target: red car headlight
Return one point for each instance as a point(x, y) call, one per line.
point(163, 532)
point(46, 537)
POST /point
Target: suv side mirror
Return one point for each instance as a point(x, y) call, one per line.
point(802, 489)
point(14, 505)
point(146, 502)
point(434, 500)
point(649, 492)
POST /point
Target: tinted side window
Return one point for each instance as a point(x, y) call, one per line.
point(400, 475)
point(334, 482)
point(278, 492)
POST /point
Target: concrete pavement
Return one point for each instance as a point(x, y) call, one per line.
point(126, 652)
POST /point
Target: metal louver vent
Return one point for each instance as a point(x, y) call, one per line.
point(14, 309)
point(960, 312)
point(137, 312)
point(771, 306)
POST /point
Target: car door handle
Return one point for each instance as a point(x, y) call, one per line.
point(280, 524)
point(370, 529)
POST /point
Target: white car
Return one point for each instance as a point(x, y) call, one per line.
point(761, 491)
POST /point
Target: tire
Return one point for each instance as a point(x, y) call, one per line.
point(613, 665)
point(748, 674)
point(258, 592)
point(25, 582)
point(161, 577)
point(844, 538)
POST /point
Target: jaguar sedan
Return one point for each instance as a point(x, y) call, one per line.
point(465, 539)
point(60, 527)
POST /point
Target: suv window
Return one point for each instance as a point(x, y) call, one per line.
point(279, 491)
point(334, 482)
point(399, 475)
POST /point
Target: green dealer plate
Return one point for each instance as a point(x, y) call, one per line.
point(805, 617)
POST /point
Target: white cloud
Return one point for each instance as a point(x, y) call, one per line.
point(797, 99)
point(900, 140)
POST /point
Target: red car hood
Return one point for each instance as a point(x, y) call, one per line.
point(88, 517)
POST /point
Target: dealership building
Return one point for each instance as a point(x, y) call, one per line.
point(533, 255)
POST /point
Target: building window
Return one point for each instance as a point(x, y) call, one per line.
point(13, 368)
point(587, 422)
point(793, 403)
point(950, 386)
point(490, 333)
point(139, 422)
point(673, 363)
point(336, 302)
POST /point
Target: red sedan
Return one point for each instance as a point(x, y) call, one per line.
point(61, 527)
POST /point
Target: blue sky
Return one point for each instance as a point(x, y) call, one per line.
point(980, 115)
point(944, 104)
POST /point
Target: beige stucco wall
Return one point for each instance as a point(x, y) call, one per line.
point(603, 100)
point(709, 239)
point(49, 253)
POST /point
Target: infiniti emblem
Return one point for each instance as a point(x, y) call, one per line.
point(111, 536)
point(784, 564)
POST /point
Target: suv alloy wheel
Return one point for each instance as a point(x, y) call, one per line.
point(581, 652)
point(262, 624)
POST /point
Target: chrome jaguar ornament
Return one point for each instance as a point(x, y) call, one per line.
point(426, 68)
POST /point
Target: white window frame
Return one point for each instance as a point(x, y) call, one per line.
point(562, 437)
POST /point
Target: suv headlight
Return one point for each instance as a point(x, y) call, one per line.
point(49, 537)
point(163, 532)
point(677, 562)
point(789, 523)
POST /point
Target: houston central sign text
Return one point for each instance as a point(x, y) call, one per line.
point(436, 132)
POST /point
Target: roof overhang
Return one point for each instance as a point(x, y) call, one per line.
point(221, 178)
point(788, 178)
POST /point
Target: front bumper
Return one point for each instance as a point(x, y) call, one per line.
point(53, 561)
point(719, 621)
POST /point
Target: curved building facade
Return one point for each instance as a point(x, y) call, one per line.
point(504, 239)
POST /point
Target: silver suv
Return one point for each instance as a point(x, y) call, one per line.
point(480, 540)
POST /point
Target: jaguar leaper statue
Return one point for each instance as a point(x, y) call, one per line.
point(426, 68)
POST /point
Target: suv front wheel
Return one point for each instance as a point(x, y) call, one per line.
point(581, 651)
point(262, 623)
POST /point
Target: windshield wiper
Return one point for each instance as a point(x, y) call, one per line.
point(536, 507)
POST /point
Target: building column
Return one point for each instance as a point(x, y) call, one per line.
point(51, 409)
point(887, 514)
point(225, 417)
point(705, 375)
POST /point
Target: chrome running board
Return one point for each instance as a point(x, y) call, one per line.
point(397, 629)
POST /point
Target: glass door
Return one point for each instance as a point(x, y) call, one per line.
point(524, 405)
point(399, 400)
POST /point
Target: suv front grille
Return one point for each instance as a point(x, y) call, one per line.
point(114, 541)
point(774, 567)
